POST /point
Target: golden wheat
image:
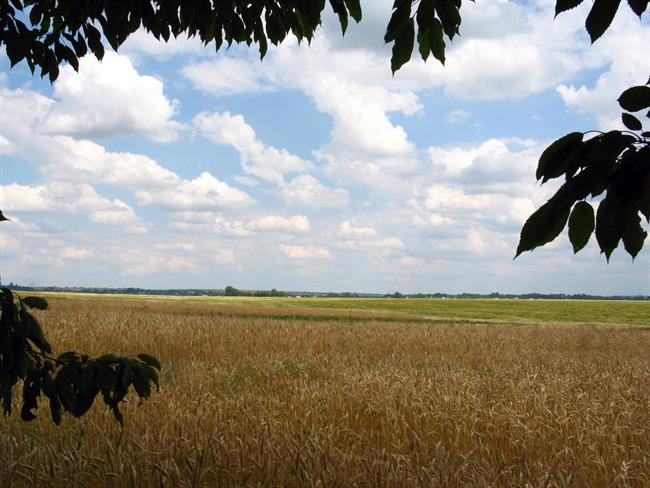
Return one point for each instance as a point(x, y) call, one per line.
point(260, 396)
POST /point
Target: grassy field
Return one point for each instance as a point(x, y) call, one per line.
point(338, 392)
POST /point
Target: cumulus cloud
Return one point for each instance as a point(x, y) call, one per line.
point(624, 49)
point(228, 76)
point(351, 230)
point(492, 166)
point(209, 222)
point(297, 223)
point(353, 236)
point(202, 193)
point(63, 158)
point(266, 162)
point(305, 190)
point(445, 200)
point(381, 244)
point(108, 98)
point(75, 253)
point(304, 252)
point(71, 198)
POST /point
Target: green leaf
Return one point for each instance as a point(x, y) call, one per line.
point(635, 98)
point(354, 7)
point(556, 158)
point(36, 14)
point(35, 332)
point(69, 356)
point(628, 178)
point(581, 225)
point(644, 200)
point(403, 47)
point(638, 6)
point(141, 383)
point(425, 14)
point(564, 5)
point(634, 235)
point(150, 360)
point(544, 225)
point(610, 225)
point(35, 302)
point(423, 44)
point(31, 390)
point(50, 392)
point(339, 8)
point(449, 17)
point(437, 41)
point(604, 149)
point(398, 21)
point(631, 122)
point(600, 17)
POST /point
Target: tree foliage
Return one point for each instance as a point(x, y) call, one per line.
point(70, 381)
point(610, 167)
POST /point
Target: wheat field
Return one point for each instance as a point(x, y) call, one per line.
point(261, 394)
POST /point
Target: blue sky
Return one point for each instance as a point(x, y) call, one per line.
point(173, 166)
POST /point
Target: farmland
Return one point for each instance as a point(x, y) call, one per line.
point(341, 392)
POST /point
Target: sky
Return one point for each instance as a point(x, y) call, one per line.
point(172, 166)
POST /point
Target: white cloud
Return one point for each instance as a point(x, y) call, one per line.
point(63, 158)
point(624, 47)
point(202, 193)
point(297, 223)
point(75, 253)
point(351, 230)
point(412, 262)
point(120, 213)
point(21, 198)
point(228, 76)
point(175, 246)
point(108, 98)
point(389, 243)
point(491, 166)
point(445, 201)
point(6, 147)
point(224, 256)
point(304, 252)
point(265, 162)
point(74, 199)
point(307, 191)
point(138, 262)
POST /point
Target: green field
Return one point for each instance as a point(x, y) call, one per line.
point(623, 312)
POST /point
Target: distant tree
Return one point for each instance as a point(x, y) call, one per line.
point(232, 292)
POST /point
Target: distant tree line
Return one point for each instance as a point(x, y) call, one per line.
point(231, 291)
point(234, 292)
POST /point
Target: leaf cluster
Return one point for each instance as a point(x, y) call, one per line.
point(70, 381)
point(613, 167)
point(46, 33)
point(434, 20)
point(601, 14)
